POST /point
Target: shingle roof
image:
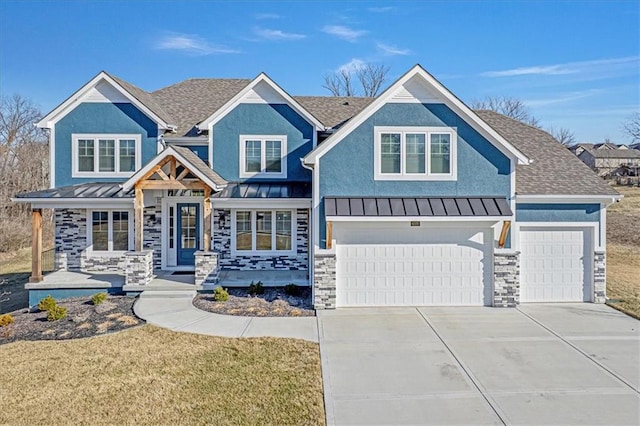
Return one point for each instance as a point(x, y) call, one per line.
point(192, 101)
point(146, 98)
point(614, 153)
point(333, 111)
point(199, 164)
point(555, 170)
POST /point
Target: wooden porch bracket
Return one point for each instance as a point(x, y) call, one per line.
point(36, 246)
point(329, 235)
point(503, 234)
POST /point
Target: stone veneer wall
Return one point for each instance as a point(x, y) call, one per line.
point(207, 271)
point(222, 245)
point(70, 229)
point(138, 268)
point(152, 232)
point(599, 277)
point(324, 280)
point(506, 270)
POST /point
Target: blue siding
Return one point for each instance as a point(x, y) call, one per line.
point(558, 212)
point(36, 296)
point(101, 118)
point(347, 169)
point(261, 119)
point(201, 151)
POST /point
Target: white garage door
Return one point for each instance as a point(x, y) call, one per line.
point(394, 264)
point(553, 264)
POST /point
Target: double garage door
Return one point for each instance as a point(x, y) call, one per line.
point(394, 264)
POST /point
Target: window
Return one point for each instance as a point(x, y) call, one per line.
point(109, 231)
point(263, 231)
point(415, 153)
point(263, 156)
point(105, 155)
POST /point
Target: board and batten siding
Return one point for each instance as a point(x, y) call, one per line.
point(261, 119)
point(348, 168)
point(101, 118)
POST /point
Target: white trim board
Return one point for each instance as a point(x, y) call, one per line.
point(86, 91)
point(568, 199)
point(490, 220)
point(593, 226)
point(250, 95)
point(83, 203)
point(447, 98)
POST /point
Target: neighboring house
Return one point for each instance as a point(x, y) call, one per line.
point(407, 199)
point(605, 161)
point(578, 148)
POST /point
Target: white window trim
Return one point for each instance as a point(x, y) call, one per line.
point(263, 161)
point(236, 252)
point(95, 136)
point(109, 252)
point(428, 131)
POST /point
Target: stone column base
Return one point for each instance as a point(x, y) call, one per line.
point(138, 267)
point(599, 277)
point(324, 280)
point(506, 278)
point(207, 270)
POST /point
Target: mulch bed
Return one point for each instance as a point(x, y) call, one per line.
point(273, 303)
point(83, 320)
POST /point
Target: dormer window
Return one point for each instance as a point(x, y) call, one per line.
point(415, 153)
point(105, 155)
point(263, 156)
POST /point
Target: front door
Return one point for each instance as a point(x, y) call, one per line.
point(188, 235)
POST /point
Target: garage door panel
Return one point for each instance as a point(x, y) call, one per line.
point(553, 265)
point(433, 267)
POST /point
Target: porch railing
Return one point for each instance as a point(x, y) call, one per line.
point(48, 260)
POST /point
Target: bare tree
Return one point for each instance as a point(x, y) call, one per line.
point(563, 135)
point(23, 165)
point(371, 78)
point(632, 126)
point(511, 107)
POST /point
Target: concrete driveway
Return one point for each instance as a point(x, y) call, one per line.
point(555, 364)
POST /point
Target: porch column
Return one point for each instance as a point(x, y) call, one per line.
point(138, 219)
point(36, 246)
point(207, 219)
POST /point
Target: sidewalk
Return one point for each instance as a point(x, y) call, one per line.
point(174, 310)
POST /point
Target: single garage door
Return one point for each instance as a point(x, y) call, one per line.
point(555, 264)
point(395, 264)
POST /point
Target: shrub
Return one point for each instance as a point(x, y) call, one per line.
point(256, 288)
point(56, 313)
point(47, 303)
point(292, 289)
point(220, 294)
point(98, 298)
point(6, 319)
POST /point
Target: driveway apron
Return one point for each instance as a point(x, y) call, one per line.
point(538, 364)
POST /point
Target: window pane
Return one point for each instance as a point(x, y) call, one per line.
point(263, 230)
point(85, 155)
point(243, 230)
point(127, 155)
point(100, 231)
point(253, 157)
point(121, 231)
point(415, 152)
point(390, 152)
point(106, 155)
point(440, 153)
point(273, 152)
point(283, 230)
point(171, 227)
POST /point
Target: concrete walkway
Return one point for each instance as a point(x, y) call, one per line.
point(174, 310)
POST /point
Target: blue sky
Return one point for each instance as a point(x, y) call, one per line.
point(575, 63)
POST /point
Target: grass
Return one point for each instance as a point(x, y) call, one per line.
point(148, 375)
point(623, 252)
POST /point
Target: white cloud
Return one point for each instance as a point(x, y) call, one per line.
point(270, 34)
point(388, 49)
point(191, 44)
point(381, 9)
point(567, 68)
point(562, 98)
point(343, 32)
point(267, 16)
point(353, 65)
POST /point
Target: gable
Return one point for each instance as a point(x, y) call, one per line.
point(415, 86)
